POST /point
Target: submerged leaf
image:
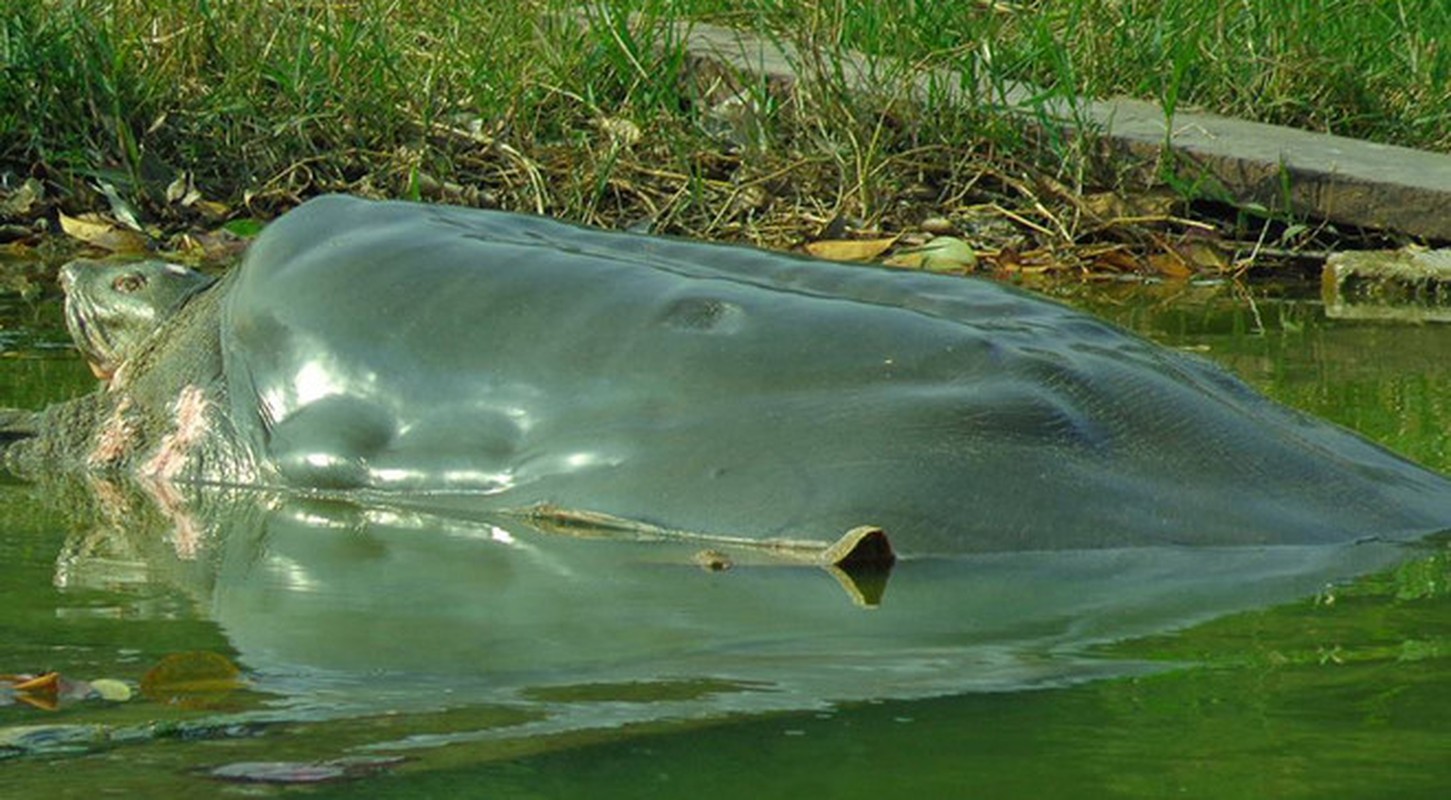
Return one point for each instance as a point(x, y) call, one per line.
point(191, 678)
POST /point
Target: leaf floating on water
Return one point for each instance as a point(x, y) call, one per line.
point(193, 680)
point(48, 691)
point(111, 690)
point(850, 249)
point(101, 233)
point(49, 682)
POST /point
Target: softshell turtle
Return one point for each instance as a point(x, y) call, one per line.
point(477, 360)
point(111, 310)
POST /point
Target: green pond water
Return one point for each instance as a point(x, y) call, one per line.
point(430, 657)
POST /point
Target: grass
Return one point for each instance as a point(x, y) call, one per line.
point(1375, 70)
point(515, 103)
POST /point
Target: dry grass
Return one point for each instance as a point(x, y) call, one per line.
point(197, 112)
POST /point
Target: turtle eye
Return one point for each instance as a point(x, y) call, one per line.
point(128, 283)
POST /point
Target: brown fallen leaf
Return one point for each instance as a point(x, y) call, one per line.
point(1116, 260)
point(1171, 265)
point(850, 249)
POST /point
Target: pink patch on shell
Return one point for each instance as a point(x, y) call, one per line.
point(117, 435)
point(190, 417)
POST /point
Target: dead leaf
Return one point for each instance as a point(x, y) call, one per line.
point(1116, 261)
point(942, 254)
point(622, 132)
point(850, 249)
point(192, 680)
point(1111, 207)
point(120, 209)
point(1103, 205)
point(1159, 202)
point(182, 191)
point(1171, 265)
point(102, 233)
point(214, 245)
point(111, 689)
point(46, 691)
point(48, 682)
point(20, 202)
point(1203, 255)
point(212, 209)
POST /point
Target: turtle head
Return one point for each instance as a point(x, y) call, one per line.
point(111, 308)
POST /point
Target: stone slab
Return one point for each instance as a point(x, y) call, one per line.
point(1344, 180)
point(1407, 285)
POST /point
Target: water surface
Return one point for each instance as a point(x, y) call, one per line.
point(502, 660)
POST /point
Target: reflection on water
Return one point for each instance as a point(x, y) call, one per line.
point(394, 630)
point(343, 609)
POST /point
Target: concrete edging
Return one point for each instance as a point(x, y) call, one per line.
point(1343, 180)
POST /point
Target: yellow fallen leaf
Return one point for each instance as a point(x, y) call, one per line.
point(111, 689)
point(84, 229)
point(942, 254)
point(850, 249)
point(105, 235)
